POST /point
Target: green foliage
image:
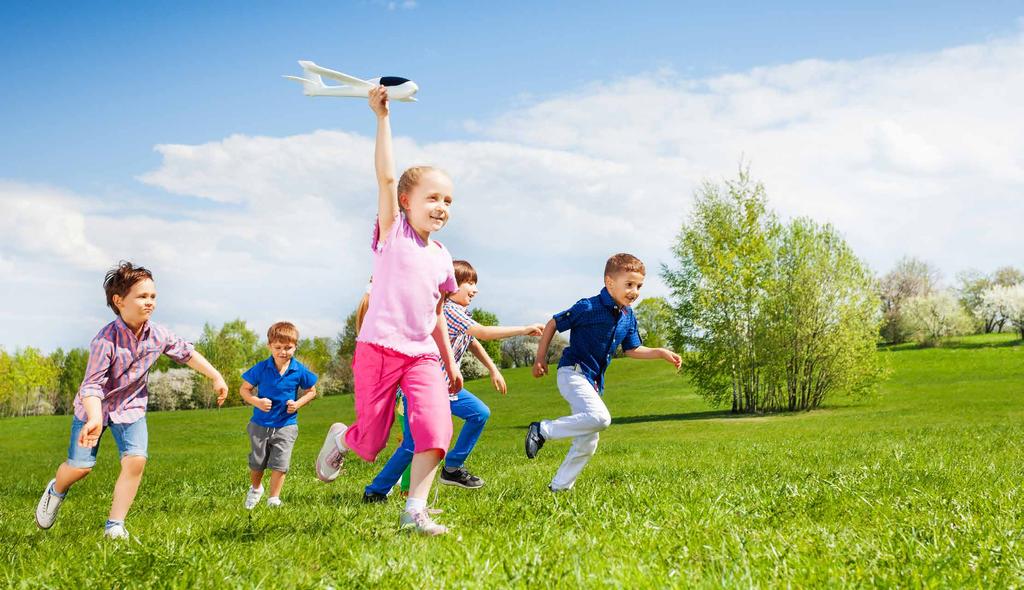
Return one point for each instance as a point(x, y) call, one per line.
point(654, 316)
point(776, 316)
point(28, 382)
point(347, 338)
point(71, 366)
point(486, 318)
point(316, 353)
point(231, 349)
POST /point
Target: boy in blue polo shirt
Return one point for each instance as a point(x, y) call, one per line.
point(599, 325)
point(274, 425)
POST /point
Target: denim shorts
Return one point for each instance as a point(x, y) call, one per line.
point(131, 439)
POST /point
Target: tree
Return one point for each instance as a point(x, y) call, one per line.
point(971, 287)
point(518, 351)
point(28, 382)
point(346, 341)
point(171, 390)
point(486, 318)
point(1007, 276)
point(720, 287)
point(654, 317)
point(1007, 304)
point(908, 279)
point(316, 353)
point(933, 317)
point(232, 349)
point(71, 368)
point(778, 316)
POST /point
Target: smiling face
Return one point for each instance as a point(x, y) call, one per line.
point(426, 204)
point(624, 287)
point(464, 296)
point(138, 305)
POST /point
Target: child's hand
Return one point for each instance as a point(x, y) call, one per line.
point(379, 101)
point(455, 378)
point(221, 389)
point(498, 381)
point(672, 357)
point(263, 403)
point(534, 330)
point(539, 369)
point(90, 433)
point(292, 406)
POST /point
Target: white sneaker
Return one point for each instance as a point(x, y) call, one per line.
point(419, 521)
point(332, 454)
point(48, 507)
point(253, 497)
point(274, 502)
point(116, 532)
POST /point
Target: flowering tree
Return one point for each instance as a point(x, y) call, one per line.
point(935, 316)
point(1007, 304)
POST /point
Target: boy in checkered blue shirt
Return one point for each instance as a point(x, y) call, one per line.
point(599, 325)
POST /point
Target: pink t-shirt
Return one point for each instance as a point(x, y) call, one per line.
point(409, 277)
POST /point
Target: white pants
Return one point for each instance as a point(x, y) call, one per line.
point(589, 417)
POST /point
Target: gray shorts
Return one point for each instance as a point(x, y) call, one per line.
point(271, 447)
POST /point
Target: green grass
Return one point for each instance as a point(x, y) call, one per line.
point(919, 487)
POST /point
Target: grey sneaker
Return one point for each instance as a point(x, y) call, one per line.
point(116, 532)
point(534, 440)
point(332, 454)
point(253, 497)
point(48, 507)
point(419, 521)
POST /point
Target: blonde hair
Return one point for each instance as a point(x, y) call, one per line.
point(411, 177)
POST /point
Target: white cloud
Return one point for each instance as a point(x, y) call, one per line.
point(918, 154)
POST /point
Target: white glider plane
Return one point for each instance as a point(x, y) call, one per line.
point(313, 85)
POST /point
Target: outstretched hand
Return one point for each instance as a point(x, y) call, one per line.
point(379, 101)
point(221, 389)
point(534, 330)
point(498, 381)
point(673, 358)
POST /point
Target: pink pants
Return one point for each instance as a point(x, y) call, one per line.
point(378, 372)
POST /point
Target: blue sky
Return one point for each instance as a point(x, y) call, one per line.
point(169, 123)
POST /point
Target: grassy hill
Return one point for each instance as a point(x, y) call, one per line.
point(918, 487)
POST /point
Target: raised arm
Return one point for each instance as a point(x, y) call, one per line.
point(498, 332)
point(540, 368)
point(384, 163)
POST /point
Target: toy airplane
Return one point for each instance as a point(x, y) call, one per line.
point(313, 85)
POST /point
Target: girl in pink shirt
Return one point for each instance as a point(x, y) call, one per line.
point(404, 335)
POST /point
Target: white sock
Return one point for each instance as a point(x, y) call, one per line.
point(259, 489)
point(412, 504)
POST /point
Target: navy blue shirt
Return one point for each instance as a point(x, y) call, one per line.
point(278, 389)
point(598, 326)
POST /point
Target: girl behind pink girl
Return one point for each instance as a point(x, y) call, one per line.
point(404, 329)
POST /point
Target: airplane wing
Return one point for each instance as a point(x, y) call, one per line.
point(312, 67)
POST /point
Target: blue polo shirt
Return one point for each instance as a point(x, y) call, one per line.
point(598, 326)
point(279, 389)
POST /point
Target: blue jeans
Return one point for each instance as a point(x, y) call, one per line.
point(469, 408)
point(131, 439)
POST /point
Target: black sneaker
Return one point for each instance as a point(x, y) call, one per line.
point(374, 497)
point(534, 440)
point(460, 477)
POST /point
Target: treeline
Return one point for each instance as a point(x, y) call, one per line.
point(33, 383)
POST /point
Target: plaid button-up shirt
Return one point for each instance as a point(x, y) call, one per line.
point(118, 369)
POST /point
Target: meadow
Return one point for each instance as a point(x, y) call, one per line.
point(919, 486)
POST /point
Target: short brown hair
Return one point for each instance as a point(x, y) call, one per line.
point(464, 272)
point(623, 262)
point(120, 280)
point(283, 332)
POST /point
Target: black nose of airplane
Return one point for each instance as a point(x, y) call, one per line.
point(392, 81)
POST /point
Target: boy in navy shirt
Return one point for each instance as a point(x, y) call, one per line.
point(274, 425)
point(599, 325)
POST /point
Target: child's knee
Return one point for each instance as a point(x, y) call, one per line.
point(602, 420)
point(483, 413)
point(133, 465)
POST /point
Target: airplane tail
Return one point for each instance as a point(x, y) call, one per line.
point(311, 82)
